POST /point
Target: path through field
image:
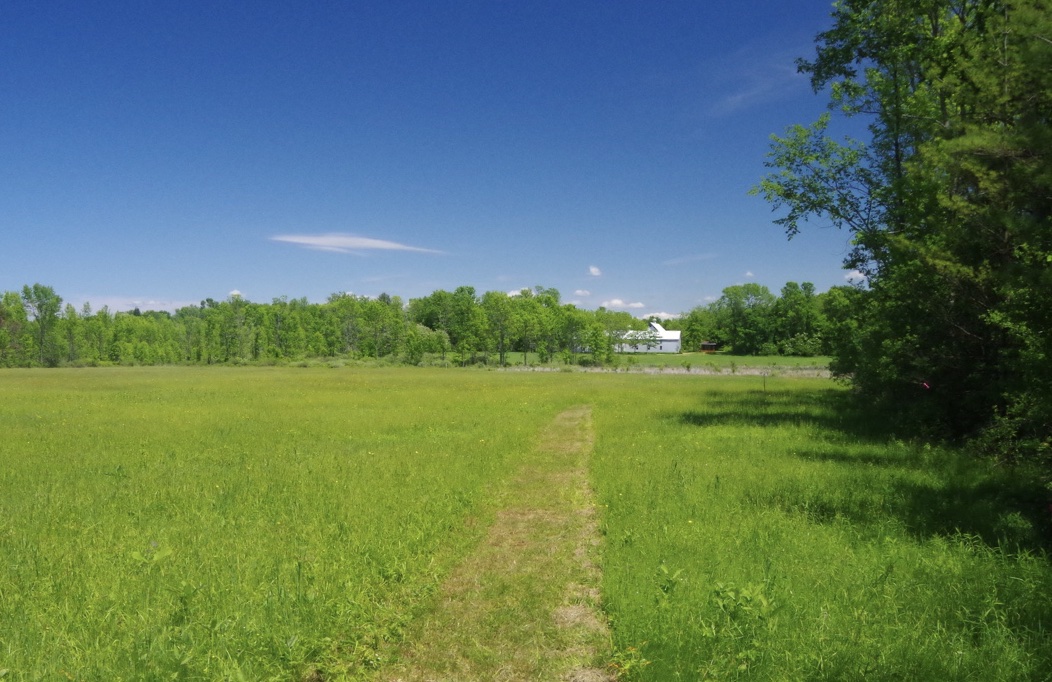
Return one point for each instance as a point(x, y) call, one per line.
point(525, 604)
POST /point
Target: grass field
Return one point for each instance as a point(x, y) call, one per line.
point(773, 534)
point(284, 524)
point(239, 523)
point(697, 363)
point(722, 363)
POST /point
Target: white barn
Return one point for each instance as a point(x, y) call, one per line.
point(656, 339)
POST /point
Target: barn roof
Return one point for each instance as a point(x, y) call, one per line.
point(664, 334)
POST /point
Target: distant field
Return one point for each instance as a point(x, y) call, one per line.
point(265, 523)
point(720, 362)
point(711, 363)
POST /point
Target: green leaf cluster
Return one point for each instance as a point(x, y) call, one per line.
point(748, 319)
point(949, 205)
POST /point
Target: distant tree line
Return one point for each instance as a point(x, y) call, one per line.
point(37, 330)
point(750, 320)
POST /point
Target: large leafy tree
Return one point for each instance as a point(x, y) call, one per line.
point(13, 322)
point(527, 323)
point(71, 333)
point(42, 306)
point(98, 328)
point(743, 319)
point(698, 326)
point(798, 320)
point(949, 203)
point(500, 318)
point(384, 325)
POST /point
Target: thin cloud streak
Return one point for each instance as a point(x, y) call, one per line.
point(346, 243)
point(755, 76)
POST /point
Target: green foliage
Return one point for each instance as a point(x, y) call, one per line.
point(749, 320)
point(348, 328)
point(818, 175)
point(948, 204)
point(417, 343)
point(42, 307)
point(499, 313)
point(696, 327)
point(743, 317)
point(13, 326)
point(628, 663)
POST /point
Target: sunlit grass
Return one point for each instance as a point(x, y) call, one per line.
point(721, 363)
point(770, 535)
point(265, 523)
point(245, 522)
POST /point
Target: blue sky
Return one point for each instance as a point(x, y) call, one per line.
point(156, 154)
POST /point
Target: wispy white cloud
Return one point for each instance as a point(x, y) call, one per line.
point(748, 273)
point(346, 243)
point(235, 292)
point(754, 75)
point(618, 303)
point(582, 292)
point(594, 271)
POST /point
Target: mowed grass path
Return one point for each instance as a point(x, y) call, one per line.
point(524, 605)
point(242, 523)
point(308, 524)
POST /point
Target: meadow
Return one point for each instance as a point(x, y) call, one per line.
point(697, 363)
point(771, 531)
point(723, 363)
point(293, 523)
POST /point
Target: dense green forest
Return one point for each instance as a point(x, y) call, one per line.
point(457, 327)
point(949, 204)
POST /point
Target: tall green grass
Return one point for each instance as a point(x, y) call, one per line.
point(240, 523)
point(266, 523)
point(773, 535)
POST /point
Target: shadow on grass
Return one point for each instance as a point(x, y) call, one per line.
point(1010, 513)
point(995, 507)
point(832, 410)
point(1005, 507)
